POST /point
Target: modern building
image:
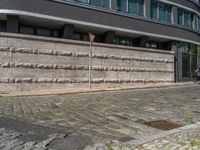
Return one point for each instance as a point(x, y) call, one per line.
point(170, 25)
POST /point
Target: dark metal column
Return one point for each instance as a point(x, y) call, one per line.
point(68, 31)
point(109, 37)
point(12, 24)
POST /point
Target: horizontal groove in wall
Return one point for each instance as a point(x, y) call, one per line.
point(79, 67)
point(73, 54)
point(67, 80)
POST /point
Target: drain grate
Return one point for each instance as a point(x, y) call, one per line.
point(163, 124)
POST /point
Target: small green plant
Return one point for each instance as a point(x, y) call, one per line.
point(195, 142)
point(188, 121)
point(109, 146)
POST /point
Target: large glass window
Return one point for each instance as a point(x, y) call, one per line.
point(123, 41)
point(198, 56)
point(131, 6)
point(184, 49)
point(122, 5)
point(100, 3)
point(136, 7)
point(161, 11)
point(189, 59)
point(26, 30)
point(185, 17)
point(151, 44)
point(82, 1)
point(198, 23)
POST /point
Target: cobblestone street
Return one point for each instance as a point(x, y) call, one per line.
point(116, 115)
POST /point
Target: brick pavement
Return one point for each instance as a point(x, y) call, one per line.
point(103, 116)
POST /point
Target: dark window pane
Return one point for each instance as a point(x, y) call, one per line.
point(43, 32)
point(185, 18)
point(186, 66)
point(161, 11)
point(136, 7)
point(82, 1)
point(76, 36)
point(122, 5)
point(154, 11)
point(26, 30)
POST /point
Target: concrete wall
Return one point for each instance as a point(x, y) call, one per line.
point(29, 62)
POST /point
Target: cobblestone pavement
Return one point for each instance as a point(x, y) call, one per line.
point(103, 116)
point(188, 139)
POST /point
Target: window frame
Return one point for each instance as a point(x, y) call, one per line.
point(160, 5)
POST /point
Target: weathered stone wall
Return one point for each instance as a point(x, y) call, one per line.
point(29, 62)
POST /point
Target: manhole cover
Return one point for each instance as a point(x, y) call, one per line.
point(163, 124)
point(196, 112)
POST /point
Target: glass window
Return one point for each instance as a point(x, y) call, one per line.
point(154, 11)
point(161, 11)
point(100, 3)
point(123, 41)
point(43, 32)
point(185, 18)
point(82, 1)
point(136, 7)
point(122, 5)
point(186, 73)
point(198, 23)
point(154, 45)
point(95, 2)
point(85, 37)
point(55, 33)
point(183, 48)
point(106, 3)
point(193, 49)
point(189, 59)
point(198, 56)
point(26, 30)
point(76, 36)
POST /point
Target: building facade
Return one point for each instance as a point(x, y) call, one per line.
point(168, 25)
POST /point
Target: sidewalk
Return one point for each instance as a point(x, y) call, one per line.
point(87, 90)
point(184, 138)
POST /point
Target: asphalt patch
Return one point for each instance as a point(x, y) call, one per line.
point(71, 142)
point(29, 131)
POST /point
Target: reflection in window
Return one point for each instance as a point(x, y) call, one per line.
point(131, 6)
point(43, 32)
point(136, 7)
point(185, 18)
point(122, 5)
point(99, 3)
point(82, 1)
point(123, 41)
point(153, 45)
point(26, 30)
point(161, 11)
point(183, 47)
point(198, 56)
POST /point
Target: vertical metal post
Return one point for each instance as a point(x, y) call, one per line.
point(90, 66)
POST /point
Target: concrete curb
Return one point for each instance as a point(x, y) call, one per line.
point(163, 134)
point(86, 90)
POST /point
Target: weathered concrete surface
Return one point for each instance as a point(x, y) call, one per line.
point(29, 62)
